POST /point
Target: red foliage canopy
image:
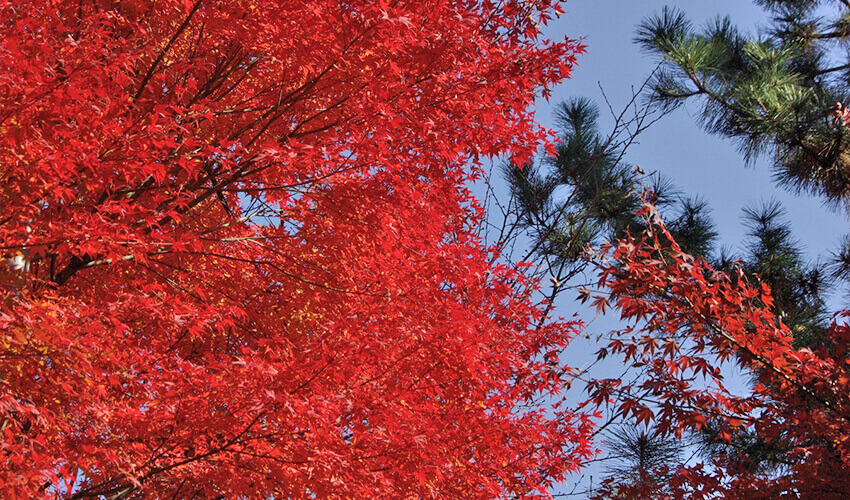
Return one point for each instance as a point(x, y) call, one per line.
point(240, 260)
point(691, 319)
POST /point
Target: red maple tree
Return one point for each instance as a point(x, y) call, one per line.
point(689, 320)
point(240, 262)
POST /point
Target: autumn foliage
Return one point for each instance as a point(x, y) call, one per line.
point(689, 320)
point(240, 262)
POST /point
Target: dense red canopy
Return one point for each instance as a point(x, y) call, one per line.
point(240, 259)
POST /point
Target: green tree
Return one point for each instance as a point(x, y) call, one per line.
point(639, 460)
point(586, 192)
point(777, 94)
point(583, 194)
point(774, 94)
point(777, 259)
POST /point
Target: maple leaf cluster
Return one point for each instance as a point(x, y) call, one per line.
point(239, 260)
point(689, 320)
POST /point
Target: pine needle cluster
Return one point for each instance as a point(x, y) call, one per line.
point(773, 94)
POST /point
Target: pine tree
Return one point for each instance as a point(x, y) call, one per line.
point(639, 459)
point(586, 192)
point(779, 94)
point(775, 94)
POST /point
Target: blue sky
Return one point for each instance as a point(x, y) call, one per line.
point(698, 163)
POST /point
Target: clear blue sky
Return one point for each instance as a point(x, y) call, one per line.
point(698, 163)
